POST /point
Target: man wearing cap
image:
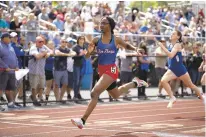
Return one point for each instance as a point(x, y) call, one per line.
point(8, 66)
point(160, 64)
point(20, 54)
point(60, 67)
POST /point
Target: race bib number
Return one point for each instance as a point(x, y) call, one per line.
point(113, 70)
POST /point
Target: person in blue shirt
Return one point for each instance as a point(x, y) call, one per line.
point(176, 68)
point(17, 48)
point(8, 66)
point(20, 56)
point(106, 48)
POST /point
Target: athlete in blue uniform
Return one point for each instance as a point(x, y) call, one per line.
point(176, 68)
point(106, 48)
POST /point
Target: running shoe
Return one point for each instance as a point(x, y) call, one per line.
point(172, 101)
point(77, 122)
point(140, 82)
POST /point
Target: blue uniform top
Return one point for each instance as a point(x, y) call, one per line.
point(106, 52)
point(176, 64)
point(144, 66)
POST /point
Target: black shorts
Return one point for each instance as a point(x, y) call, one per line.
point(7, 81)
point(49, 75)
point(112, 86)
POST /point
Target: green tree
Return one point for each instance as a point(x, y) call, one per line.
point(146, 4)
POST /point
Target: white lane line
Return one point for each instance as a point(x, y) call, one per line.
point(103, 119)
point(107, 130)
point(113, 106)
point(162, 134)
point(71, 128)
point(44, 117)
point(183, 128)
point(88, 124)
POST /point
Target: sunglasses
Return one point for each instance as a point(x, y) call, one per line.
point(40, 41)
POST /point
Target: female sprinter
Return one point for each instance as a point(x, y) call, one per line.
point(176, 68)
point(106, 48)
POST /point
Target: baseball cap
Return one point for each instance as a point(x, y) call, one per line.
point(5, 35)
point(13, 34)
point(163, 39)
point(71, 40)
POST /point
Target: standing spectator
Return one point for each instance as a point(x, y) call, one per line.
point(143, 70)
point(19, 53)
point(60, 67)
point(3, 28)
point(160, 65)
point(8, 66)
point(49, 72)
point(126, 74)
point(78, 65)
point(39, 53)
point(70, 64)
point(194, 61)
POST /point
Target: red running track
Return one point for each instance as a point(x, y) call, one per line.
point(148, 119)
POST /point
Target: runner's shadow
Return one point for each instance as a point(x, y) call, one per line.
point(90, 136)
point(194, 119)
point(125, 134)
point(199, 119)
